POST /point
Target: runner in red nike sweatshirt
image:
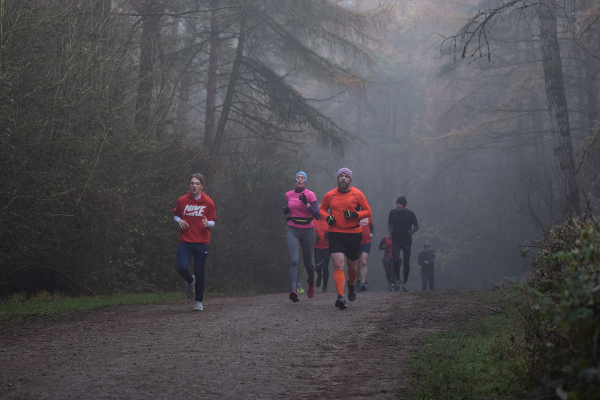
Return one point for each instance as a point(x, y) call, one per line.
point(195, 213)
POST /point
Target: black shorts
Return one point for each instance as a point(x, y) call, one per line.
point(346, 243)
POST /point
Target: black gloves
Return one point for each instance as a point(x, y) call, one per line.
point(330, 220)
point(303, 199)
point(326, 235)
point(286, 210)
point(350, 214)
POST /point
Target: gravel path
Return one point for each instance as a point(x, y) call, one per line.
point(259, 347)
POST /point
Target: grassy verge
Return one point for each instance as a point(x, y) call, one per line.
point(19, 307)
point(467, 363)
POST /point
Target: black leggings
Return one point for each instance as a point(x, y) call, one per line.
point(322, 264)
point(396, 248)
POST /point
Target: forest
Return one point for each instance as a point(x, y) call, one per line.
point(485, 120)
point(484, 114)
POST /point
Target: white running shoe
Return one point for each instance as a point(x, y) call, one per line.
point(189, 291)
point(198, 306)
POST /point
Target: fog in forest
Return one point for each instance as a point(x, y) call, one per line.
point(464, 107)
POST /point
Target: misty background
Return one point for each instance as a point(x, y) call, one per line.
point(106, 108)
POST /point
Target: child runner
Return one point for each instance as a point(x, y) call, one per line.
point(426, 261)
point(345, 232)
point(302, 207)
point(195, 214)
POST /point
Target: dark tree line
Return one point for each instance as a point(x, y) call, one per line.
point(107, 106)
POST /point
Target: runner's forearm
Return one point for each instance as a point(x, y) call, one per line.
point(314, 211)
point(211, 224)
point(415, 228)
point(324, 207)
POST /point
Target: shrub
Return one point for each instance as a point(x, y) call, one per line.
point(562, 312)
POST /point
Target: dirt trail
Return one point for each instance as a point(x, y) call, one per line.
point(259, 347)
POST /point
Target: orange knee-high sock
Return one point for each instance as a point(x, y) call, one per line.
point(338, 278)
point(352, 275)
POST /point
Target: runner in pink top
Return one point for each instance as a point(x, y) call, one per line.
point(302, 207)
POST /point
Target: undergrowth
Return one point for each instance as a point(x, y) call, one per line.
point(470, 362)
point(546, 344)
point(561, 307)
point(20, 307)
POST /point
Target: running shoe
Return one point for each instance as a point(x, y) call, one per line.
point(324, 288)
point(311, 291)
point(300, 290)
point(189, 291)
point(294, 296)
point(318, 282)
point(392, 288)
point(363, 287)
point(341, 302)
point(351, 292)
point(198, 306)
point(405, 288)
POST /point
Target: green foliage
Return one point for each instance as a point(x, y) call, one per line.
point(19, 306)
point(468, 363)
point(249, 240)
point(87, 194)
point(562, 311)
point(86, 202)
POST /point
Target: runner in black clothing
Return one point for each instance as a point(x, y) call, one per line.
point(402, 224)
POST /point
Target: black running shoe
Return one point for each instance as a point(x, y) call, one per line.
point(341, 302)
point(318, 282)
point(294, 296)
point(351, 292)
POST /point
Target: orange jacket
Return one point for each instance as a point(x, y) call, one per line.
point(337, 202)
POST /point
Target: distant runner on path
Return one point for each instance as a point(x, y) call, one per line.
point(386, 246)
point(302, 206)
point(365, 248)
point(427, 262)
point(195, 214)
point(322, 253)
point(402, 224)
point(345, 232)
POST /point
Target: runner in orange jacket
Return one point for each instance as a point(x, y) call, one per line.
point(343, 208)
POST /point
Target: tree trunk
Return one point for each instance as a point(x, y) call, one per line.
point(235, 72)
point(557, 106)
point(591, 88)
point(591, 91)
point(358, 129)
point(183, 103)
point(99, 13)
point(211, 84)
point(149, 40)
